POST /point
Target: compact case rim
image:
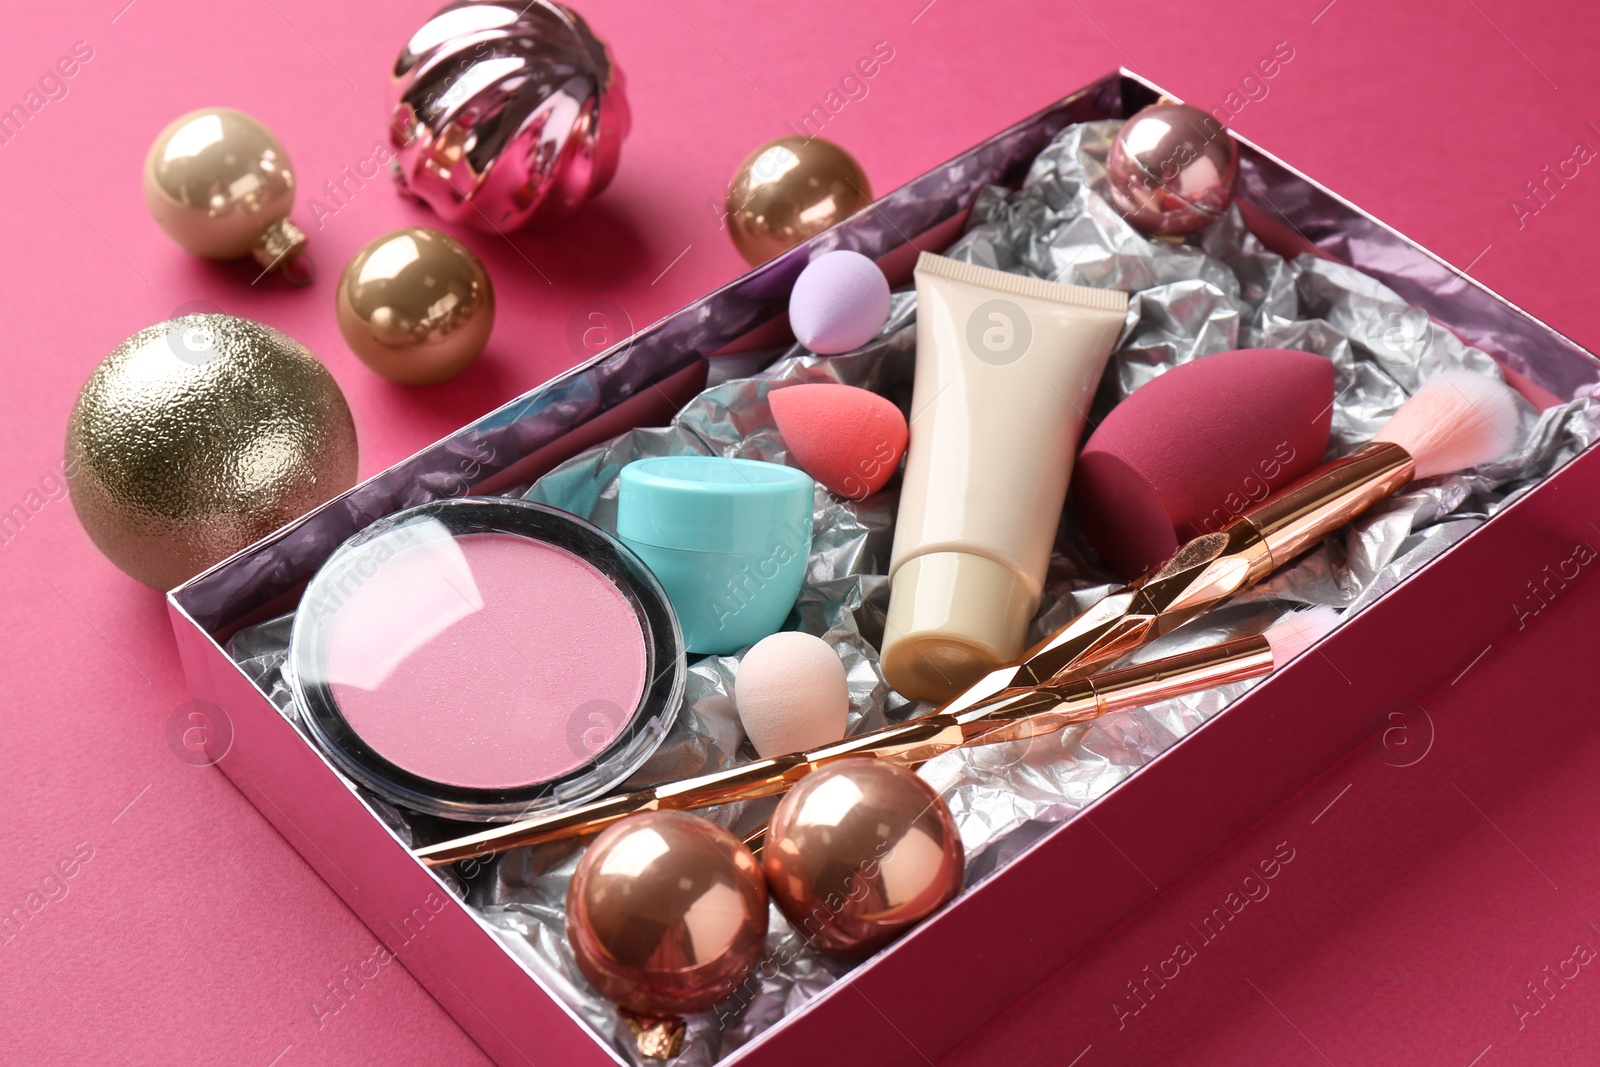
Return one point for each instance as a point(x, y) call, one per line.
point(639, 737)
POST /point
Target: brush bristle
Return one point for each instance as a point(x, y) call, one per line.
point(1299, 630)
point(1458, 420)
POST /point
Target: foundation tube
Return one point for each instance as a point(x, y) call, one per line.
point(1007, 367)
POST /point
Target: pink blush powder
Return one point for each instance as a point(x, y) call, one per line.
point(486, 660)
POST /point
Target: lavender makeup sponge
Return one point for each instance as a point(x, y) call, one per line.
point(839, 303)
point(1190, 450)
point(791, 694)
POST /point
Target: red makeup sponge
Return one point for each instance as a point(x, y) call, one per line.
point(1190, 450)
point(849, 439)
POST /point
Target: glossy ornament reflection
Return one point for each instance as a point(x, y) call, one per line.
point(416, 306)
point(200, 435)
point(790, 190)
point(221, 186)
point(1172, 169)
point(666, 915)
point(859, 852)
point(506, 113)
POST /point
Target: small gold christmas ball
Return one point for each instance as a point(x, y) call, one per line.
point(197, 437)
point(221, 185)
point(789, 190)
point(416, 305)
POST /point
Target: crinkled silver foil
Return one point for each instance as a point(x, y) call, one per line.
point(1219, 292)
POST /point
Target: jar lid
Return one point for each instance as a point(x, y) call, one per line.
point(713, 504)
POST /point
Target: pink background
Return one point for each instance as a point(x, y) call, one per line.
point(1420, 898)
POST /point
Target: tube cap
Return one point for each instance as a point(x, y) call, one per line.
point(953, 617)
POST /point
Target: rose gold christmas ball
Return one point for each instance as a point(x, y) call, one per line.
point(790, 190)
point(859, 852)
point(1172, 169)
point(416, 306)
point(667, 913)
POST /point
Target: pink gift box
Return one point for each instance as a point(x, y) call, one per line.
point(927, 992)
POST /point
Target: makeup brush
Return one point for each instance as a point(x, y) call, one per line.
point(1022, 713)
point(1458, 420)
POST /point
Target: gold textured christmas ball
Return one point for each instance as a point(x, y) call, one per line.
point(200, 435)
point(416, 305)
point(789, 190)
point(221, 185)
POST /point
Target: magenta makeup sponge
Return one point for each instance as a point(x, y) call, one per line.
point(849, 439)
point(1190, 450)
point(839, 303)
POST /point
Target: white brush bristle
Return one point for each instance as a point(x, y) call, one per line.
point(1458, 420)
point(1299, 630)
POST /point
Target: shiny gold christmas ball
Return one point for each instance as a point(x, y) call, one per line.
point(858, 853)
point(200, 435)
point(416, 305)
point(221, 185)
point(789, 190)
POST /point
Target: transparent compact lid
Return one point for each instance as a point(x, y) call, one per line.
point(486, 658)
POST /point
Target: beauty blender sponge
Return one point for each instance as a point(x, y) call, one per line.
point(791, 694)
point(851, 440)
point(839, 302)
point(1190, 450)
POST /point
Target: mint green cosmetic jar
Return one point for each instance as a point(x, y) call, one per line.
point(727, 538)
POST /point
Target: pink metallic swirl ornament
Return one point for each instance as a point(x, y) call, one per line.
point(666, 915)
point(506, 113)
point(1172, 169)
point(858, 853)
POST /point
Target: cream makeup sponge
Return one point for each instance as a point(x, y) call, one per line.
point(791, 694)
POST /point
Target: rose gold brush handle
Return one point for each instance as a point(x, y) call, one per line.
point(1007, 717)
point(1206, 572)
point(1024, 713)
point(905, 742)
point(1298, 518)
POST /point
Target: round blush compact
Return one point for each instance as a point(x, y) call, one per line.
point(486, 659)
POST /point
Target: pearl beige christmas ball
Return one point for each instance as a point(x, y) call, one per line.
point(200, 435)
point(416, 306)
point(1172, 169)
point(222, 187)
point(789, 190)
